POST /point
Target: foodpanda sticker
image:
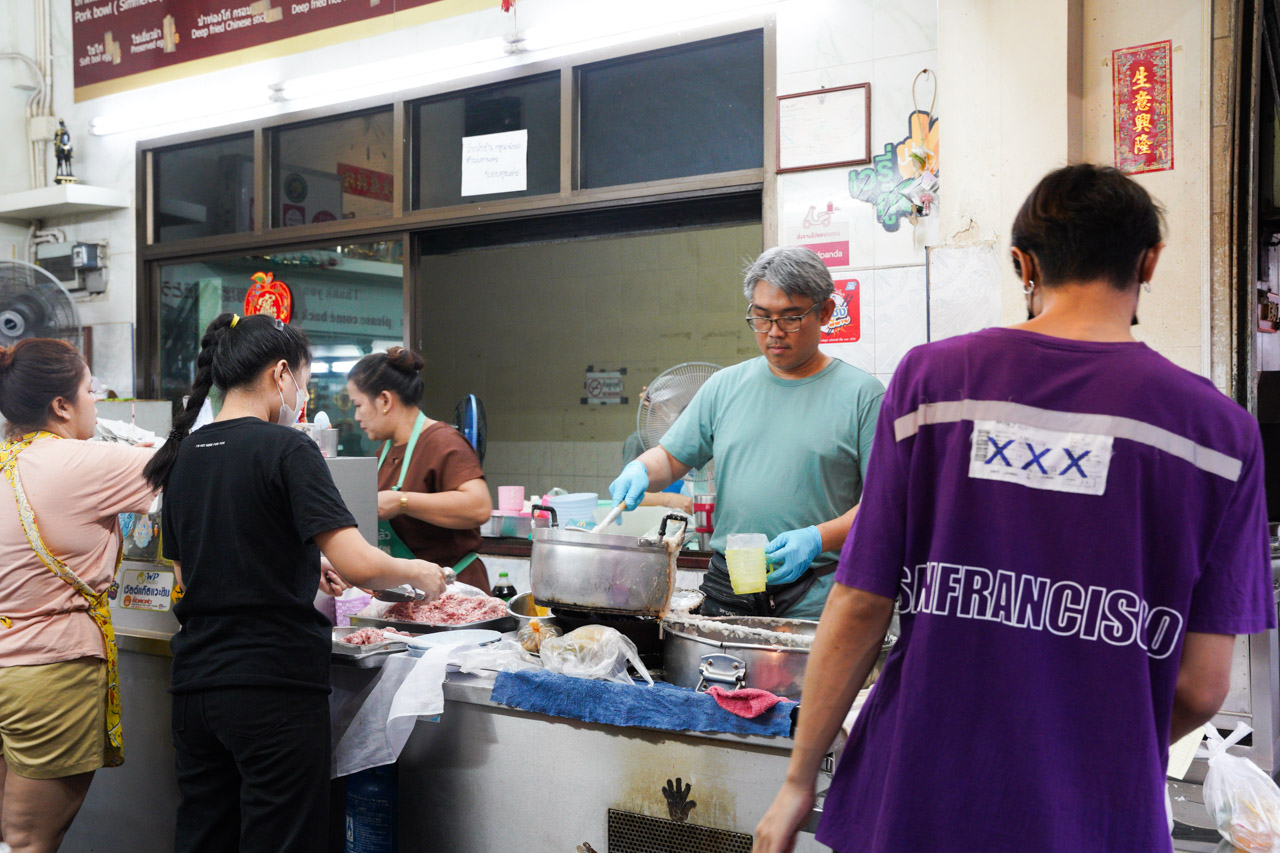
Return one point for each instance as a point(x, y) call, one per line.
point(1040, 458)
point(845, 326)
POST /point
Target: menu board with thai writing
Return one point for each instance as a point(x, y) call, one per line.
point(122, 44)
point(1142, 84)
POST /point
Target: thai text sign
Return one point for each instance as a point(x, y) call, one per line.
point(114, 40)
point(1142, 85)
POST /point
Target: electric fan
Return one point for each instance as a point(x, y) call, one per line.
point(660, 405)
point(468, 419)
point(34, 304)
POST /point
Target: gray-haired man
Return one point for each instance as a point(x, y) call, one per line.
point(790, 433)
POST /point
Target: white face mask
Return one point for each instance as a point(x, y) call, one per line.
point(289, 415)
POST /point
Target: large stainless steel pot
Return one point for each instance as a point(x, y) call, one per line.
point(703, 651)
point(601, 572)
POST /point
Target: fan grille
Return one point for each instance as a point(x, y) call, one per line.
point(34, 304)
point(667, 396)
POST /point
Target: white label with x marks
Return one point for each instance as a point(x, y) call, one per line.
point(1040, 458)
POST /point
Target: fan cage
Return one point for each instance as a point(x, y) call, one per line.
point(34, 304)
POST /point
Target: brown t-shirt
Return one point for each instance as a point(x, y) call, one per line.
point(442, 461)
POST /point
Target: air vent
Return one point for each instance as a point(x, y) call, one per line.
point(636, 833)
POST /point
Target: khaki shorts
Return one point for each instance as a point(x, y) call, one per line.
point(53, 717)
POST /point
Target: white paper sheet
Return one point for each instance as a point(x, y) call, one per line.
point(495, 163)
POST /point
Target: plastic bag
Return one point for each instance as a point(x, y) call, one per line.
point(1242, 800)
point(502, 656)
point(593, 651)
point(532, 635)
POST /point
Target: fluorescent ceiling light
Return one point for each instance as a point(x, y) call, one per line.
point(162, 118)
point(391, 74)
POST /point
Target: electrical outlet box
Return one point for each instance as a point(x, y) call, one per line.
point(42, 128)
point(79, 266)
point(84, 256)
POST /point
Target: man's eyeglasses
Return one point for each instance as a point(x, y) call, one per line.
point(786, 324)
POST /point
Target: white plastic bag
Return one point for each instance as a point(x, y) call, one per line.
point(1242, 800)
point(593, 651)
point(502, 656)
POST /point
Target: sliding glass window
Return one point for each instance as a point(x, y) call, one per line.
point(468, 144)
point(203, 189)
point(333, 169)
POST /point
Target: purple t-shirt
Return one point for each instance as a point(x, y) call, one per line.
point(1053, 517)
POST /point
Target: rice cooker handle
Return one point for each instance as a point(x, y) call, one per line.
point(555, 521)
point(722, 669)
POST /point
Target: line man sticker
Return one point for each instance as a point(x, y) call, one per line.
point(1040, 458)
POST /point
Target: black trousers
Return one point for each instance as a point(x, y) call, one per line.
point(253, 770)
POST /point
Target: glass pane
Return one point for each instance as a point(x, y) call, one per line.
point(204, 189)
point(694, 110)
point(532, 104)
point(348, 299)
point(337, 169)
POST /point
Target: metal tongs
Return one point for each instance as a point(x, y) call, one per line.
point(405, 592)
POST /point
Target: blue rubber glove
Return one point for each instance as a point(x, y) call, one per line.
point(791, 553)
point(630, 486)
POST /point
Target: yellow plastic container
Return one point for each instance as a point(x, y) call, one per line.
point(744, 554)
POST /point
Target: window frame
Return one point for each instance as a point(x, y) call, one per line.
point(404, 220)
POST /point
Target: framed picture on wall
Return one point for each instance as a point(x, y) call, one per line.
point(824, 128)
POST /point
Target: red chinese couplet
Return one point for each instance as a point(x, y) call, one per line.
point(1142, 85)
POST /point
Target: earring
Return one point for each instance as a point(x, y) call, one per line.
point(1030, 288)
point(1146, 286)
point(384, 411)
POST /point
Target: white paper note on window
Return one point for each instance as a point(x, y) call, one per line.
point(495, 163)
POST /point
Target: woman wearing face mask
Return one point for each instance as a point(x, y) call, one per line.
point(249, 507)
point(59, 549)
point(432, 497)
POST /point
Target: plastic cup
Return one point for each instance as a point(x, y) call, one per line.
point(744, 554)
point(511, 498)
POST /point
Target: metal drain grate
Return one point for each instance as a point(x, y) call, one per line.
point(636, 833)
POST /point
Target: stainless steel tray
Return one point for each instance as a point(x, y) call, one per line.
point(365, 657)
point(501, 624)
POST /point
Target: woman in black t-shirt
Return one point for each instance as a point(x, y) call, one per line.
point(249, 507)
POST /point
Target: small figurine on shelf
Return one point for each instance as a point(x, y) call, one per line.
point(62, 148)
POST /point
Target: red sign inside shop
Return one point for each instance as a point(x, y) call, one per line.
point(357, 180)
point(845, 326)
point(1142, 84)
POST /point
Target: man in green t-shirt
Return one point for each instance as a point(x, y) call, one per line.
point(790, 433)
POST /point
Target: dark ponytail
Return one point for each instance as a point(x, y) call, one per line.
point(33, 373)
point(397, 370)
point(233, 353)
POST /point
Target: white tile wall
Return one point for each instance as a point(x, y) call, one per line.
point(824, 33)
point(539, 466)
point(900, 314)
point(964, 290)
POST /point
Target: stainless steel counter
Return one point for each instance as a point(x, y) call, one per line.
point(483, 778)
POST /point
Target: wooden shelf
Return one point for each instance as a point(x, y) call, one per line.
point(58, 201)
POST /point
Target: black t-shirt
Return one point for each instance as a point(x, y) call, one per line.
point(244, 501)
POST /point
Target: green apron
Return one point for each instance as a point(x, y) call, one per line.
point(388, 540)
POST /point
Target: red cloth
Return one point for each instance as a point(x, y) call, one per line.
point(748, 702)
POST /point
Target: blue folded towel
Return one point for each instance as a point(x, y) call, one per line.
point(658, 706)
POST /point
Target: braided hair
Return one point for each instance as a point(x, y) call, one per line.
point(233, 353)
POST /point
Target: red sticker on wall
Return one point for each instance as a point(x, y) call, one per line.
point(845, 326)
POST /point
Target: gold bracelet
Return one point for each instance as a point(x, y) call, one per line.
point(404, 504)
